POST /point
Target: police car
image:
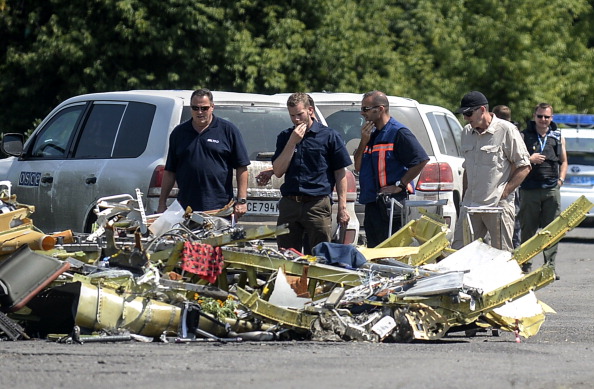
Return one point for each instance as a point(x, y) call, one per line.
point(578, 131)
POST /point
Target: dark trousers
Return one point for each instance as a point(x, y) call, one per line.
point(377, 223)
point(311, 220)
point(539, 207)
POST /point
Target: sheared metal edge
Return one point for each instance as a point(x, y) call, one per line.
point(15, 237)
point(293, 318)
point(411, 255)
point(11, 328)
point(431, 235)
point(174, 256)
point(123, 283)
point(250, 234)
point(402, 237)
point(460, 312)
point(552, 233)
point(430, 250)
point(426, 323)
point(421, 229)
point(425, 228)
point(440, 283)
point(22, 212)
point(316, 271)
point(527, 327)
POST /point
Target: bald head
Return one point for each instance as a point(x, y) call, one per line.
point(378, 98)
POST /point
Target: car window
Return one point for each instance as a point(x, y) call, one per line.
point(580, 158)
point(134, 131)
point(187, 114)
point(349, 121)
point(443, 133)
point(580, 144)
point(115, 129)
point(53, 139)
point(99, 132)
point(456, 131)
point(259, 126)
point(580, 151)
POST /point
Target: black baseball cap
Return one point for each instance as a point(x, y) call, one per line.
point(472, 100)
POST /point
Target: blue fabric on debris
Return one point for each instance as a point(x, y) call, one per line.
point(341, 255)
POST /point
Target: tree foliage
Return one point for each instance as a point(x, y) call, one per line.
point(518, 53)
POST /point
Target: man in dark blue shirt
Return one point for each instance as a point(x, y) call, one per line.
point(203, 152)
point(312, 157)
point(388, 158)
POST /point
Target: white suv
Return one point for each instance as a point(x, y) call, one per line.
point(448, 133)
point(111, 143)
point(436, 128)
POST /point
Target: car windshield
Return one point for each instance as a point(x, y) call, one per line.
point(259, 126)
point(580, 151)
point(580, 158)
point(347, 120)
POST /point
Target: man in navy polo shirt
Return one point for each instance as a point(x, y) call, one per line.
point(312, 157)
point(388, 158)
point(203, 152)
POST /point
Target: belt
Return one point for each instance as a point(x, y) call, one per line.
point(305, 199)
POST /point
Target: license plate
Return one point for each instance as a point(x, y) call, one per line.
point(581, 180)
point(262, 207)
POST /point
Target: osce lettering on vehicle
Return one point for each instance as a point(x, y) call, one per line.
point(29, 179)
point(262, 207)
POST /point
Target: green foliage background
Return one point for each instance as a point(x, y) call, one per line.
point(518, 53)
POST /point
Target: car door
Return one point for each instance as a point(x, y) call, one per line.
point(64, 161)
point(34, 173)
point(81, 174)
point(108, 159)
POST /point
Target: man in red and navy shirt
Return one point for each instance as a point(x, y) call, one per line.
point(388, 158)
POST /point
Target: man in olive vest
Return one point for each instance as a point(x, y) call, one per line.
point(540, 201)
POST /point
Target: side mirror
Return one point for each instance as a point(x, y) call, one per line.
point(265, 156)
point(12, 144)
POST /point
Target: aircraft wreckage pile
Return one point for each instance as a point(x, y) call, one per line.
point(194, 277)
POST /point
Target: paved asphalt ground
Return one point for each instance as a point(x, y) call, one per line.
point(561, 355)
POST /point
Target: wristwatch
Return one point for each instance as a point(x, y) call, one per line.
point(240, 200)
point(400, 185)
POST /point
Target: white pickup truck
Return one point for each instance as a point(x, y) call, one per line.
point(111, 143)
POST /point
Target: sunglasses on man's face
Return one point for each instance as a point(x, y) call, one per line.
point(366, 109)
point(470, 112)
point(543, 116)
point(198, 108)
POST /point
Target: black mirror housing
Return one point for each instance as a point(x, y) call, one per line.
point(12, 144)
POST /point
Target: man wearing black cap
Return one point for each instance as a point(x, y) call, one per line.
point(496, 162)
